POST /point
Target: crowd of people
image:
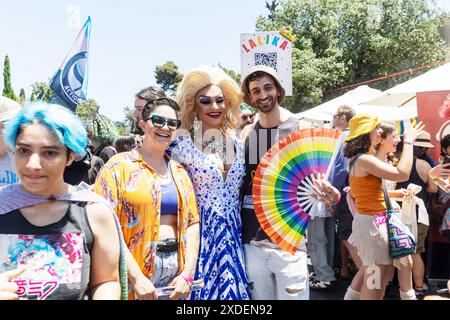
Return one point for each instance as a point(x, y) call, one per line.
point(167, 212)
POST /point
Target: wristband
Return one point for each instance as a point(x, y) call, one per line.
point(189, 279)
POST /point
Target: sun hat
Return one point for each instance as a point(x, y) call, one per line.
point(423, 140)
point(443, 131)
point(361, 124)
point(8, 108)
point(270, 71)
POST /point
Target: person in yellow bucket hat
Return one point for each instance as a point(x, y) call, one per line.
point(361, 124)
point(369, 224)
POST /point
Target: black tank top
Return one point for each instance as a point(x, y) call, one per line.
point(57, 255)
point(254, 151)
point(417, 180)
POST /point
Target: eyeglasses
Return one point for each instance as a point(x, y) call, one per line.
point(159, 122)
point(337, 115)
point(245, 116)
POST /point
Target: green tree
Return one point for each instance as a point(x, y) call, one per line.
point(272, 7)
point(121, 127)
point(340, 42)
point(22, 93)
point(7, 87)
point(168, 76)
point(87, 109)
point(128, 115)
point(99, 127)
point(41, 91)
point(22, 97)
point(33, 97)
point(126, 125)
point(236, 76)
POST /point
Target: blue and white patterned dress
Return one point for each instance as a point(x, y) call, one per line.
point(221, 256)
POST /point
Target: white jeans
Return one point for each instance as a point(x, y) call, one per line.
point(276, 274)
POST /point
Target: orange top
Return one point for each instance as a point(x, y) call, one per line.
point(132, 187)
point(368, 194)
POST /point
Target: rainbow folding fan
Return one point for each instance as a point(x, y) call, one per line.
point(282, 183)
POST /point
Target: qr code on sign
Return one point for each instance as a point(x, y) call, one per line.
point(267, 59)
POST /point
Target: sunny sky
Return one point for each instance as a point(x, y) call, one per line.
point(128, 40)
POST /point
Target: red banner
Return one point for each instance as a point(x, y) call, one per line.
point(428, 105)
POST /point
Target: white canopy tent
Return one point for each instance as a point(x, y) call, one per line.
point(354, 98)
point(404, 94)
point(397, 103)
point(325, 111)
point(386, 113)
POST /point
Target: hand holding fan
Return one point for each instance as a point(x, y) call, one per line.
point(283, 183)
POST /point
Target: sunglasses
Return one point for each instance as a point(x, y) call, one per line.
point(159, 122)
point(245, 117)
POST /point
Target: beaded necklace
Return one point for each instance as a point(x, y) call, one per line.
point(215, 146)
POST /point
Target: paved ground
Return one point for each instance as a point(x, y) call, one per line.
point(338, 292)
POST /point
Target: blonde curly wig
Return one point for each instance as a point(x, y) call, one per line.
point(202, 77)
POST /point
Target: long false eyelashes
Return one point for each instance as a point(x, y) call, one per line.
point(207, 101)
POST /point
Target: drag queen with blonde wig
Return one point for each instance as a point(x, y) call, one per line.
point(214, 158)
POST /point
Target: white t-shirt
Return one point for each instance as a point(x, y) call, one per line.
point(7, 171)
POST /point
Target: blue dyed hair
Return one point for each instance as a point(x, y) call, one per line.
point(64, 124)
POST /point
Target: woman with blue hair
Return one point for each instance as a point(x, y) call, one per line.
point(69, 242)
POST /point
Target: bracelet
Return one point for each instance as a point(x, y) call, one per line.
point(189, 279)
point(407, 142)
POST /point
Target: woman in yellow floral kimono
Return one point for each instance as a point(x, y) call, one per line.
point(155, 201)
